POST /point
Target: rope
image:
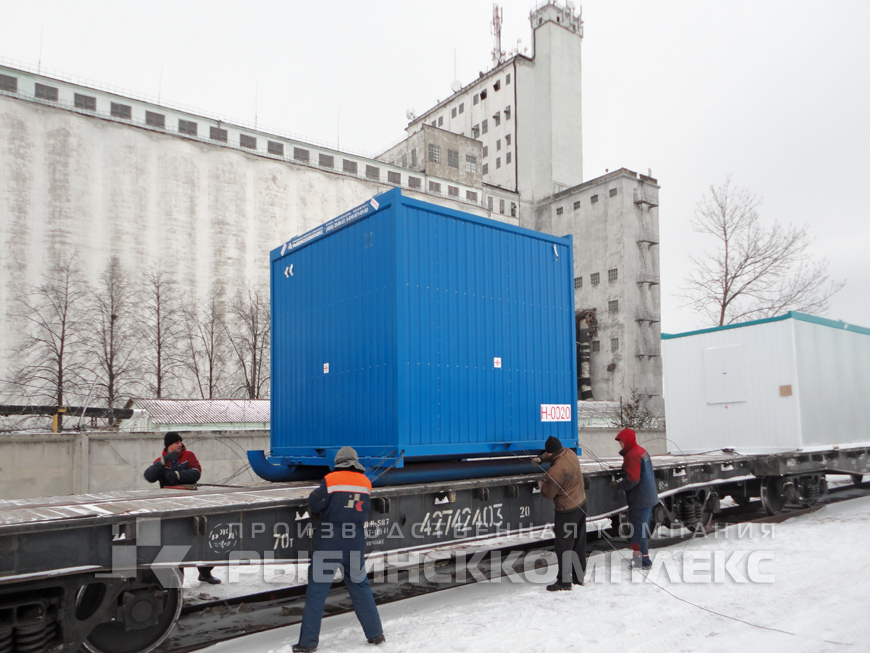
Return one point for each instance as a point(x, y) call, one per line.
point(655, 584)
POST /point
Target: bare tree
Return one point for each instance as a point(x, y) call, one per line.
point(113, 335)
point(633, 413)
point(248, 336)
point(755, 271)
point(204, 356)
point(51, 353)
point(162, 333)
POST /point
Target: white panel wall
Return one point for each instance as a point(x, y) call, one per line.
point(764, 422)
point(834, 369)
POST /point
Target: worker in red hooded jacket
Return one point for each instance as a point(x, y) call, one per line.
point(174, 467)
point(640, 493)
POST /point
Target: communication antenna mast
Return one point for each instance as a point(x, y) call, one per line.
point(497, 19)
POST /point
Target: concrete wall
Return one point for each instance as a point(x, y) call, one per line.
point(81, 463)
point(601, 442)
point(609, 234)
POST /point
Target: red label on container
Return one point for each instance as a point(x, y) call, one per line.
point(555, 412)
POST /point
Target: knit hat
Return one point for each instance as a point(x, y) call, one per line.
point(553, 445)
point(347, 458)
point(171, 438)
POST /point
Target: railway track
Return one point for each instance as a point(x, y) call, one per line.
point(208, 623)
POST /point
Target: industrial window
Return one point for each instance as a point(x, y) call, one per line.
point(484, 127)
point(249, 142)
point(434, 187)
point(453, 191)
point(122, 110)
point(9, 83)
point(471, 196)
point(594, 199)
point(501, 206)
point(453, 158)
point(576, 205)
point(440, 120)
point(349, 166)
point(559, 211)
point(475, 131)
point(594, 278)
point(497, 85)
point(453, 113)
point(301, 154)
point(470, 163)
point(489, 203)
point(513, 209)
point(434, 153)
point(507, 157)
point(507, 79)
point(613, 192)
point(485, 151)
point(507, 113)
point(461, 107)
point(485, 169)
point(85, 102)
point(498, 162)
point(507, 139)
point(275, 148)
point(596, 345)
point(578, 282)
point(613, 274)
point(434, 123)
point(476, 98)
point(614, 344)
point(613, 306)
point(414, 158)
point(373, 172)
point(217, 134)
point(187, 127)
point(155, 119)
point(326, 161)
point(414, 182)
point(498, 144)
point(394, 177)
point(46, 92)
point(497, 118)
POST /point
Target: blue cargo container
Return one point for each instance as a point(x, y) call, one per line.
point(416, 333)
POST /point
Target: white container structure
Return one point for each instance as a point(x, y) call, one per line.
point(780, 384)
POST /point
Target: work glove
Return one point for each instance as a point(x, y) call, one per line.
point(170, 458)
point(536, 460)
point(171, 478)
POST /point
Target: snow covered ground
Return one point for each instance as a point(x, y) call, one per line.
point(809, 576)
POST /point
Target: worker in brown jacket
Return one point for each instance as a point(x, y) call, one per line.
point(563, 483)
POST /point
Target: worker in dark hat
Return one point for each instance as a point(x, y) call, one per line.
point(342, 503)
point(563, 483)
point(178, 467)
point(640, 493)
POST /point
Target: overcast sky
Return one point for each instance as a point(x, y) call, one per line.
point(774, 93)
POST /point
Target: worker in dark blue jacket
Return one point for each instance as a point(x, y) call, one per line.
point(342, 503)
point(640, 493)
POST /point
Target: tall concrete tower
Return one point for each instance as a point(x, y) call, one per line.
point(549, 125)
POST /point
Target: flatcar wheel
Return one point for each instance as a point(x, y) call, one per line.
point(147, 614)
point(772, 498)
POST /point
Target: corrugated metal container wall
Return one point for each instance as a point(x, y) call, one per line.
point(411, 307)
point(834, 371)
point(805, 383)
point(754, 418)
